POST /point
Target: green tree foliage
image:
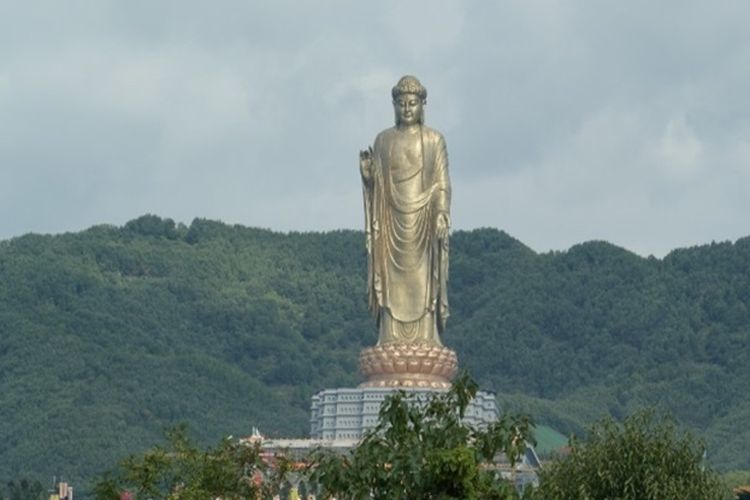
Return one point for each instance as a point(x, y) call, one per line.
point(109, 335)
point(645, 458)
point(24, 490)
point(422, 449)
point(182, 471)
point(736, 478)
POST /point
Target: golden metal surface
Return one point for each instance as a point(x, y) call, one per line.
point(407, 196)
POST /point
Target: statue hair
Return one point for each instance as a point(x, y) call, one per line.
point(409, 85)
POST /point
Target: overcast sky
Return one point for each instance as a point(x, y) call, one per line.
point(566, 121)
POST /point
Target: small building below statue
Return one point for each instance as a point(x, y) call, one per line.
point(347, 413)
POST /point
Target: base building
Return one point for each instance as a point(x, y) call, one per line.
point(349, 413)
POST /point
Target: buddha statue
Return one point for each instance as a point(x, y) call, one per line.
point(407, 198)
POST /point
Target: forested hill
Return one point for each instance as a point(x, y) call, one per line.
point(111, 334)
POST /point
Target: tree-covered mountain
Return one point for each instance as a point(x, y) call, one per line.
point(109, 335)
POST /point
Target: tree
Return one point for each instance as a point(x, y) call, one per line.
point(231, 470)
point(736, 479)
point(422, 449)
point(645, 458)
point(25, 490)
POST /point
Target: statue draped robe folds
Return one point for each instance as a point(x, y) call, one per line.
point(406, 193)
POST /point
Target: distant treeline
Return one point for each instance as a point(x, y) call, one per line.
point(109, 335)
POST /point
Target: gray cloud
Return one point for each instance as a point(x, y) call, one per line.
point(565, 121)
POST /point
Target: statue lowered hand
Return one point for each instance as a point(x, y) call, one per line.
point(442, 226)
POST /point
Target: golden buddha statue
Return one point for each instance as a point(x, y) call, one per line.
point(407, 220)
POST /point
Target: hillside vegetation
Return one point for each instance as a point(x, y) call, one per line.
point(109, 335)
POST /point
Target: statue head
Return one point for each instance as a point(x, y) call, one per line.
point(409, 98)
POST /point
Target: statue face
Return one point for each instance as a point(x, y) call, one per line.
point(409, 109)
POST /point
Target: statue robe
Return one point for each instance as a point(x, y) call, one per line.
point(407, 263)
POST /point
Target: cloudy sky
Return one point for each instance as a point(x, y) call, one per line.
point(566, 121)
